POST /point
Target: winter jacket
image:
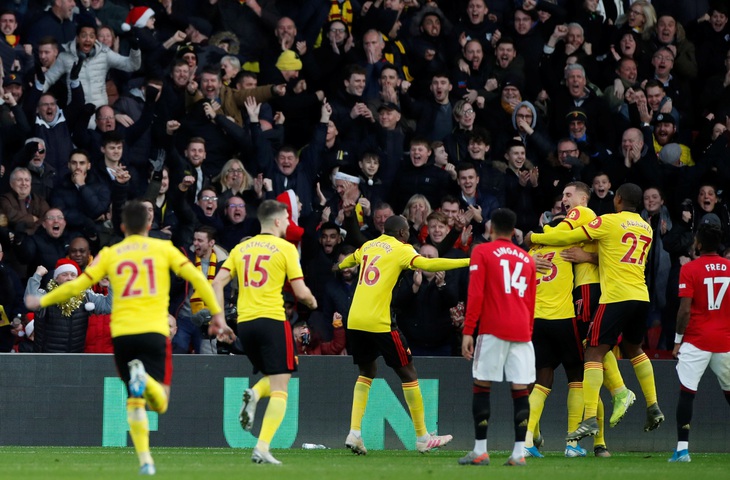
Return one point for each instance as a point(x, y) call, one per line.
point(56, 333)
point(19, 215)
point(93, 72)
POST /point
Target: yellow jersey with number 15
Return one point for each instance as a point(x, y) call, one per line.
point(262, 264)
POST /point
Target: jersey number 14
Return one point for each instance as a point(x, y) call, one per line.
point(513, 279)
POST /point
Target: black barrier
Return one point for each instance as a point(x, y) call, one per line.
point(77, 400)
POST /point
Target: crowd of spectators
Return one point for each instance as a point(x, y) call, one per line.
point(351, 112)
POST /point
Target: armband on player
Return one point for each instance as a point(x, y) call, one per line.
point(678, 338)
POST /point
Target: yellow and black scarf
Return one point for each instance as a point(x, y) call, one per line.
point(196, 303)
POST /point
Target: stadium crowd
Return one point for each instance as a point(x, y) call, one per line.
point(349, 112)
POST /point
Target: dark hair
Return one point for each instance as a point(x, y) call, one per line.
point(449, 199)
point(79, 151)
point(709, 237)
point(353, 69)
point(329, 226)
point(420, 140)
point(514, 143)
point(134, 217)
point(196, 140)
point(269, 209)
point(208, 230)
point(503, 221)
point(111, 137)
point(631, 195)
point(464, 166)
point(479, 134)
point(211, 71)
point(347, 249)
point(49, 40)
point(653, 83)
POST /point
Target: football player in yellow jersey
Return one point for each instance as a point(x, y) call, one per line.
point(623, 239)
point(262, 264)
point(586, 296)
point(372, 332)
point(138, 268)
point(556, 341)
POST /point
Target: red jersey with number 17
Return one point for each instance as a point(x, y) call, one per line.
point(706, 281)
point(502, 286)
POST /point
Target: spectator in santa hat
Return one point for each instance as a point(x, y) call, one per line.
point(25, 341)
point(294, 232)
point(156, 52)
point(62, 328)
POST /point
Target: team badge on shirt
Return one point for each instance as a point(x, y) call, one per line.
point(574, 214)
point(595, 223)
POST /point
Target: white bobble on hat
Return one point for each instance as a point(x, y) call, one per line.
point(89, 306)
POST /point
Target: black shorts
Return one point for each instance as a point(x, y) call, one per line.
point(621, 318)
point(365, 347)
point(585, 299)
point(557, 342)
point(269, 344)
point(154, 350)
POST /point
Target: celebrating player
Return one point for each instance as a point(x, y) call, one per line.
point(262, 265)
point(623, 240)
point(138, 269)
point(501, 301)
point(371, 331)
point(703, 329)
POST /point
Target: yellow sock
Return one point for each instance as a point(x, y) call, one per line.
point(139, 429)
point(536, 431)
point(537, 403)
point(414, 399)
point(592, 381)
point(359, 401)
point(575, 405)
point(612, 378)
point(645, 375)
point(275, 412)
point(599, 439)
point(155, 395)
point(262, 388)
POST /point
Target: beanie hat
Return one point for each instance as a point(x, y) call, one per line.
point(289, 60)
point(137, 17)
point(64, 265)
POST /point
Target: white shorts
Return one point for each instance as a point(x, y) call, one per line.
point(497, 360)
point(693, 362)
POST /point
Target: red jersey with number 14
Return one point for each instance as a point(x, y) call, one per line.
point(502, 286)
point(706, 281)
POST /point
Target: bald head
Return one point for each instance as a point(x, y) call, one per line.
point(394, 225)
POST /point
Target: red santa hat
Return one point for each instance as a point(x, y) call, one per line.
point(137, 17)
point(64, 265)
point(294, 232)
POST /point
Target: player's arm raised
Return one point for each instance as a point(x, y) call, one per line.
point(438, 264)
point(558, 238)
point(63, 292)
point(303, 293)
point(347, 262)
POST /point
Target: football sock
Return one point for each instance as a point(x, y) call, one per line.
point(537, 404)
point(684, 414)
point(480, 446)
point(645, 375)
point(682, 446)
point(414, 399)
point(481, 410)
point(521, 405)
point(612, 378)
point(262, 389)
point(592, 381)
point(139, 429)
point(275, 411)
point(155, 395)
point(599, 439)
point(359, 401)
point(575, 405)
point(518, 451)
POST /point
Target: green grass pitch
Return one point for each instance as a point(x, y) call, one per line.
point(59, 463)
